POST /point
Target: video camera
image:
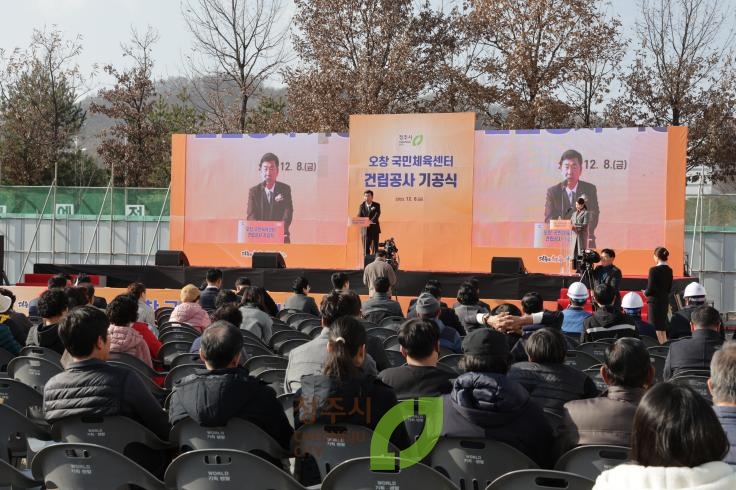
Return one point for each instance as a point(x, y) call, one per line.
point(392, 252)
point(588, 257)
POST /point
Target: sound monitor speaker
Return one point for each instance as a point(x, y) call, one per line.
point(268, 260)
point(171, 257)
point(507, 265)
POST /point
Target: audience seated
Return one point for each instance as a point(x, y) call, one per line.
point(269, 304)
point(532, 304)
point(240, 284)
point(343, 392)
point(574, 314)
point(52, 306)
point(722, 385)
point(145, 313)
point(628, 372)
point(447, 315)
point(485, 403)
point(18, 323)
point(76, 296)
point(632, 304)
point(122, 313)
point(189, 311)
point(545, 376)
point(7, 340)
point(255, 319)
point(420, 376)
point(341, 282)
point(696, 352)
point(428, 308)
point(83, 280)
point(227, 297)
point(676, 443)
point(468, 306)
point(380, 305)
point(209, 293)
point(58, 281)
point(212, 396)
point(89, 386)
point(679, 325)
point(229, 313)
point(475, 284)
point(607, 321)
point(299, 301)
point(310, 358)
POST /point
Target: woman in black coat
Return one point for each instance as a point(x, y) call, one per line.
point(658, 290)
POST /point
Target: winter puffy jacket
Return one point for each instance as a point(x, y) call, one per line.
point(715, 475)
point(191, 313)
point(128, 341)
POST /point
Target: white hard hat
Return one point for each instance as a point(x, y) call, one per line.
point(578, 291)
point(631, 301)
point(5, 303)
point(694, 289)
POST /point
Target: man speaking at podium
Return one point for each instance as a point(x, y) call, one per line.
point(561, 197)
point(270, 200)
point(372, 210)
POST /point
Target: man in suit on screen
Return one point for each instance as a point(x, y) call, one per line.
point(560, 200)
point(372, 210)
point(271, 200)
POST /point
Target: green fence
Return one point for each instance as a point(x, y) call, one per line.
point(718, 213)
point(85, 202)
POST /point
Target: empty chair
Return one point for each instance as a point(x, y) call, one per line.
point(296, 317)
point(89, 467)
point(15, 427)
point(18, 395)
point(38, 351)
point(176, 334)
point(594, 373)
point(307, 324)
point(252, 338)
point(659, 350)
point(287, 403)
point(331, 444)
point(133, 362)
point(580, 360)
point(280, 337)
point(287, 346)
point(595, 349)
point(451, 361)
point(253, 350)
point(153, 387)
point(274, 378)
point(474, 463)
point(692, 372)
point(698, 383)
point(649, 341)
point(540, 480)
point(286, 313)
point(185, 358)
point(171, 349)
point(356, 474)
point(391, 343)
point(182, 325)
point(179, 372)
point(658, 364)
point(33, 371)
point(114, 432)
point(590, 461)
point(380, 332)
point(237, 434)
point(256, 364)
point(392, 322)
point(216, 469)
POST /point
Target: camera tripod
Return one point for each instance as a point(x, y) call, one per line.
point(587, 274)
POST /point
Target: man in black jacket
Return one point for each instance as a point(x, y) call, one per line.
point(209, 293)
point(607, 321)
point(696, 352)
point(52, 306)
point(224, 390)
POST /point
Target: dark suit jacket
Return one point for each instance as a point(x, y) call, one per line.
point(207, 297)
point(659, 284)
point(693, 353)
point(278, 210)
point(373, 215)
point(557, 205)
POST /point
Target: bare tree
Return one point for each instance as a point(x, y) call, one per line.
point(683, 74)
point(533, 49)
point(238, 45)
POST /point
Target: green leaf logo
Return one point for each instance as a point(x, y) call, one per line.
point(431, 409)
point(417, 140)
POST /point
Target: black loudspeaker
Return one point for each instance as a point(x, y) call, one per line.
point(368, 259)
point(268, 260)
point(171, 257)
point(507, 265)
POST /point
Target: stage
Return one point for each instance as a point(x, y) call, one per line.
point(410, 283)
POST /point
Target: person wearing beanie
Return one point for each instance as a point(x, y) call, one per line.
point(428, 308)
point(485, 403)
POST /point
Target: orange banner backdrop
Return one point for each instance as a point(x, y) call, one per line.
point(420, 169)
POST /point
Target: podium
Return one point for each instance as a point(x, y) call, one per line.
point(565, 236)
point(252, 231)
point(357, 227)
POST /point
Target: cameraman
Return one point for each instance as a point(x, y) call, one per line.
point(607, 273)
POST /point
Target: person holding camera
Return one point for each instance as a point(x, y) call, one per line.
point(607, 273)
